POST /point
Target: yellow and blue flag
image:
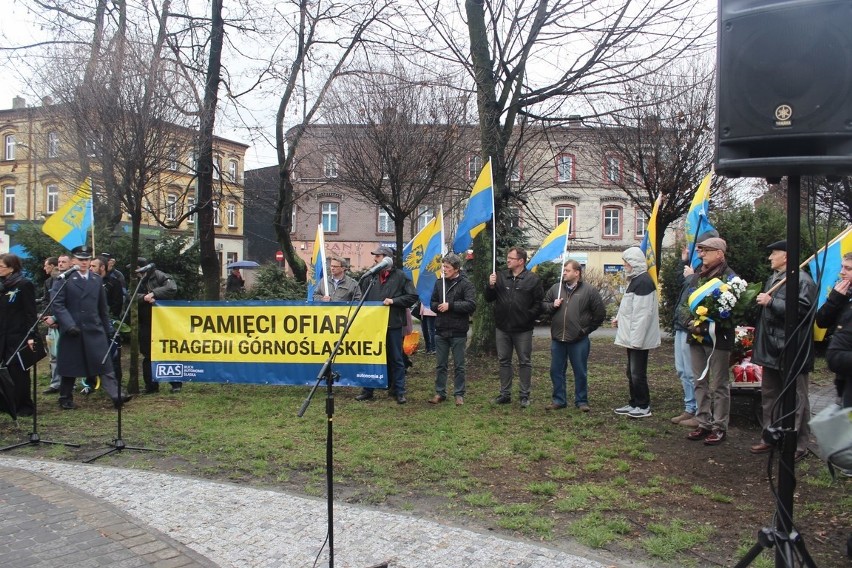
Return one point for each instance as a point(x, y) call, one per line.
point(648, 241)
point(317, 275)
point(825, 268)
point(697, 222)
point(421, 258)
point(553, 246)
point(69, 226)
point(479, 210)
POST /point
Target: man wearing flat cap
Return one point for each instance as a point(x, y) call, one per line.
point(80, 309)
point(713, 391)
point(769, 339)
point(393, 288)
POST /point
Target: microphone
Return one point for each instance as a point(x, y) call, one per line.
point(68, 272)
point(146, 268)
point(386, 262)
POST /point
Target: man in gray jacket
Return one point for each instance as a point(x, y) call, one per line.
point(638, 322)
point(576, 311)
point(156, 285)
point(768, 352)
point(341, 288)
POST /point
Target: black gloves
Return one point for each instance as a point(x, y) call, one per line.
point(73, 331)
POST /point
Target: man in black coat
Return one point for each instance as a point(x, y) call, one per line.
point(394, 289)
point(769, 340)
point(454, 301)
point(156, 285)
point(81, 311)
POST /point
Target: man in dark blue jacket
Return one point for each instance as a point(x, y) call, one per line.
point(453, 300)
point(394, 289)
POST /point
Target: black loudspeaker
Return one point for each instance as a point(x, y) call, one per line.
point(784, 88)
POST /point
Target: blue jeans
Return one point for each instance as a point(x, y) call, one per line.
point(396, 364)
point(577, 353)
point(427, 324)
point(683, 365)
point(443, 346)
point(637, 375)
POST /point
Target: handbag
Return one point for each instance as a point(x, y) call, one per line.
point(28, 357)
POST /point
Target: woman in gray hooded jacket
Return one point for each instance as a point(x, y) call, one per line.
point(638, 323)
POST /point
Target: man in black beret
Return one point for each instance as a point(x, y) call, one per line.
point(769, 339)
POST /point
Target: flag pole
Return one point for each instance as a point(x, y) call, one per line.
point(564, 257)
point(443, 280)
point(92, 213)
point(493, 218)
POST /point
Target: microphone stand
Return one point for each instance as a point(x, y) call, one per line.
point(118, 444)
point(34, 438)
point(329, 376)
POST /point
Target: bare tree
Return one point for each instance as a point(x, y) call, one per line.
point(399, 141)
point(662, 134)
point(351, 23)
point(535, 58)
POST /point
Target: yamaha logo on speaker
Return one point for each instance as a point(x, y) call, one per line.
point(783, 114)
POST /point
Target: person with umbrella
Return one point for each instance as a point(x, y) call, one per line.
point(18, 314)
point(235, 282)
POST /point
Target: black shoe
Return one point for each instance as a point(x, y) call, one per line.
point(50, 390)
point(152, 389)
point(26, 411)
point(401, 399)
point(503, 399)
point(176, 390)
point(124, 399)
point(67, 405)
point(364, 396)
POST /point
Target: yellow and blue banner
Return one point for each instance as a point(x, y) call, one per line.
point(648, 241)
point(267, 342)
point(697, 222)
point(825, 269)
point(69, 226)
point(421, 258)
point(316, 277)
point(553, 246)
point(479, 210)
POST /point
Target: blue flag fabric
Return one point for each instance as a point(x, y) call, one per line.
point(317, 264)
point(825, 268)
point(697, 222)
point(421, 258)
point(553, 246)
point(479, 210)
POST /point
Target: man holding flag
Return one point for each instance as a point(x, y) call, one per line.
point(517, 295)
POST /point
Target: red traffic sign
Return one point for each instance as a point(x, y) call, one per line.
point(279, 255)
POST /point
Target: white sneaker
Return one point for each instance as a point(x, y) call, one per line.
point(640, 412)
point(626, 409)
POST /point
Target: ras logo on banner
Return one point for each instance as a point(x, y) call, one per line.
point(168, 371)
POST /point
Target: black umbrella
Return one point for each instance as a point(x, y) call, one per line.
point(7, 393)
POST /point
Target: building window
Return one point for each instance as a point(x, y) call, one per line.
point(190, 203)
point(329, 213)
point(232, 214)
point(474, 166)
point(52, 198)
point(641, 223)
point(232, 170)
point(171, 207)
point(217, 167)
point(9, 144)
point(565, 212)
point(612, 222)
point(514, 216)
point(53, 144)
point(173, 158)
point(613, 169)
point(231, 257)
point(217, 218)
point(192, 165)
point(9, 200)
point(517, 171)
point(564, 167)
point(330, 166)
point(385, 224)
point(424, 215)
point(293, 220)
